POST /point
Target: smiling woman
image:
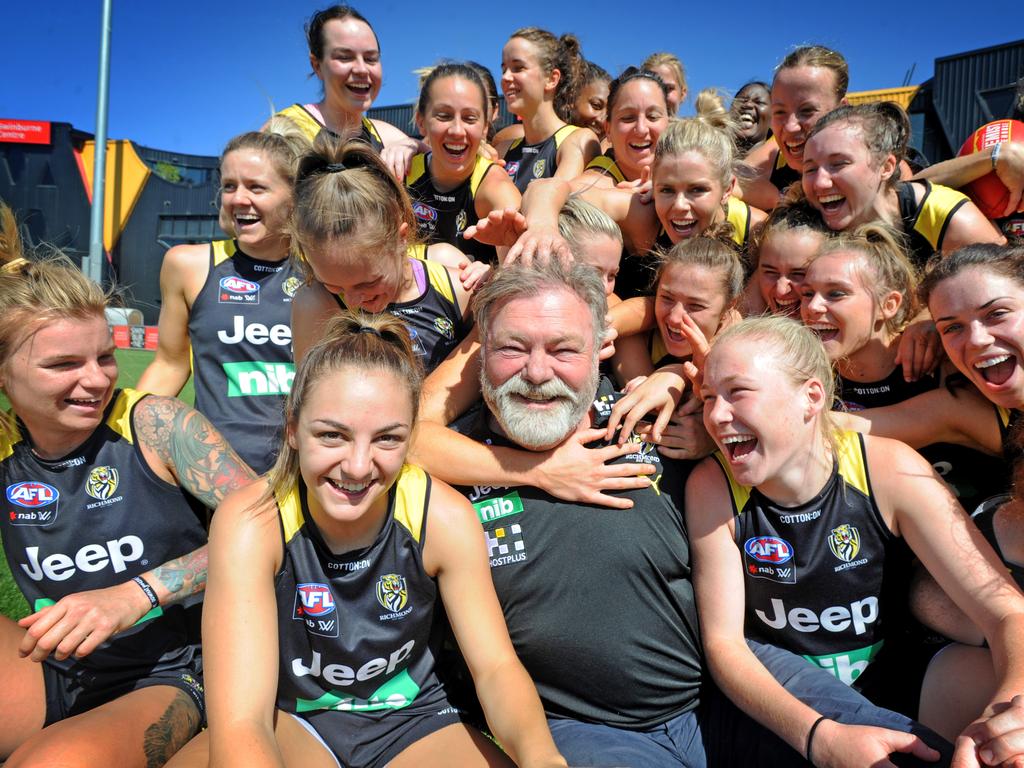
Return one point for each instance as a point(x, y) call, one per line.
point(110, 590)
point(343, 533)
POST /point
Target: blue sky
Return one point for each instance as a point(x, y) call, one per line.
point(187, 76)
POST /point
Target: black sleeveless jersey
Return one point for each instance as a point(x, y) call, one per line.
point(984, 519)
point(97, 518)
point(433, 319)
point(972, 475)
point(526, 162)
point(311, 126)
point(925, 223)
point(783, 175)
point(240, 331)
point(737, 213)
point(358, 632)
point(816, 575)
point(441, 217)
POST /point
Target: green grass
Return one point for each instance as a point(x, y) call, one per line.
point(131, 363)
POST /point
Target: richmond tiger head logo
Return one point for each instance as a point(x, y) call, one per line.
point(102, 482)
point(460, 222)
point(392, 592)
point(844, 542)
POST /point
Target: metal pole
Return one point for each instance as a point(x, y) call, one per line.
point(94, 268)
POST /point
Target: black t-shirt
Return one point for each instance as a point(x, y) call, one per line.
point(599, 601)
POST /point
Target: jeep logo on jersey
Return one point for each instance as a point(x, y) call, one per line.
point(314, 606)
point(424, 212)
point(768, 549)
point(236, 290)
point(392, 592)
point(844, 541)
point(255, 333)
point(339, 674)
point(102, 482)
point(116, 553)
point(836, 618)
point(31, 494)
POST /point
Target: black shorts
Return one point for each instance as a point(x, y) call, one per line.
point(73, 687)
point(372, 740)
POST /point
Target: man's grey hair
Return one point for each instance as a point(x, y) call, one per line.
point(517, 281)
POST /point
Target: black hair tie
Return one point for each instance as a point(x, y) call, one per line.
point(334, 167)
point(369, 329)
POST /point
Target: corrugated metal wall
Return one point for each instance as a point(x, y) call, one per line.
point(974, 88)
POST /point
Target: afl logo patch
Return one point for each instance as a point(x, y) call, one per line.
point(291, 286)
point(769, 549)
point(313, 600)
point(392, 592)
point(844, 541)
point(32, 495)
point(102, 483)
point(538, 168)
point(237, 290)
point(424, 213)
point(512, 168)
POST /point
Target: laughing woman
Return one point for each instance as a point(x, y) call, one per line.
point(209, 325)
point(345, 56)
point(540, 77)
point(100, 536)
point(851, 162)
point(452, 186)
point(794, 524)
point(348, 553)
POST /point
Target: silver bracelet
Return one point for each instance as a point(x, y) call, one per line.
point(995, 154)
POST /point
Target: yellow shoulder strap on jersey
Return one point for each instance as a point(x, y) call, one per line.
point(740, 493)
point(479, 171)
point(372, 129)
point(411, 499)
point(223, 250)
point(438, 275)
point(737, 213)
point(120, 418)
point(289, 507)
point(780, 159)
point(417, 168)
point(609, 166)
point(1004, 416)
point(658, 348)
point(563, 133)
point(418, 251)
point(9, 434)
point(936, 209)
point(853, 465)
point(306, 122)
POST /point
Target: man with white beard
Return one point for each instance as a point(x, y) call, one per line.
point(598, 601)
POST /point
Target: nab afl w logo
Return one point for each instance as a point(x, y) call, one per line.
point(844, 542)
point(102, 483)
point(392, 592)
point(315, 607)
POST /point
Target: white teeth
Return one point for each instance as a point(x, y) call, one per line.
point(350, 487)
point(787, 302)
point(736, 439)
point(746, 119)
point(455, 147)
point(992, 361)
point(81, 401)
point(823, 327)
point(830, 198)
point(646, 145)
point(247, 218)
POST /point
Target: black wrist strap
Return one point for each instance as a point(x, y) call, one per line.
point(154, 601)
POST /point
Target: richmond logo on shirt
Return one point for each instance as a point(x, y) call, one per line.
point(102, 482)
point(393, 595)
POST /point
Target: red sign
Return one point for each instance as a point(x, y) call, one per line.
point(24, 131)
point(135, 336)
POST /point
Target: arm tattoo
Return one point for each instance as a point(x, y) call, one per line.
point(184, 576)
point(201, 459)
point(178, 724)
